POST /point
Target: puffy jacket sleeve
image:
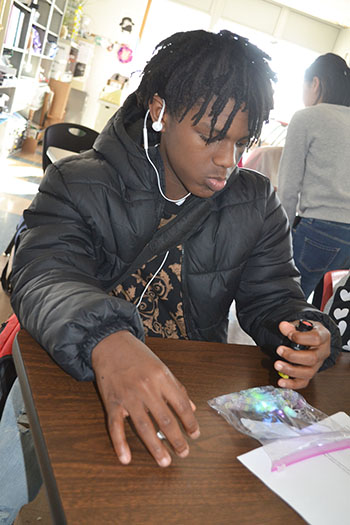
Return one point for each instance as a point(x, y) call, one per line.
point(269, 290)
point(57, 294)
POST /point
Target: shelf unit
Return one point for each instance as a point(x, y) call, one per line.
point(32, 63)
point(20, 47)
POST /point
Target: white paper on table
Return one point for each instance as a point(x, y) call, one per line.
point(317, 488)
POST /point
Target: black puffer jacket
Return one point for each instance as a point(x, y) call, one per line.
point(92, 217)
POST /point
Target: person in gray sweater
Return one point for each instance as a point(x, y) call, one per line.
point(313, 179)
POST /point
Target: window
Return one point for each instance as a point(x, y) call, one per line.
point(288, 61)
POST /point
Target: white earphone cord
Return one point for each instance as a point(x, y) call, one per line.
point(145, 145)
point(149, 282)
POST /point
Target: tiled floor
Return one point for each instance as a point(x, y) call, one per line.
point(20, 175)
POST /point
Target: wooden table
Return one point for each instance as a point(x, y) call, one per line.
point(86, 484)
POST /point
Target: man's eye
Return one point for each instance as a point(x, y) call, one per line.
point(212, 140)
point(241, 144)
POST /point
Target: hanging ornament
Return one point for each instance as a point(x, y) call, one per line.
point(77, 19)
point(126, 24)
point(124, 54)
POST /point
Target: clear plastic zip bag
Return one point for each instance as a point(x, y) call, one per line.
point(289, 429)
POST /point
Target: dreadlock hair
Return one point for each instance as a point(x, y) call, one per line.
point(334, 76)
point(194, 68)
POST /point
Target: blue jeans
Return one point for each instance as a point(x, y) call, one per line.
point(319, 247)
point(20, 477)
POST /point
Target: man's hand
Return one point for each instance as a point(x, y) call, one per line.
point(134, 382)
point(302, 365)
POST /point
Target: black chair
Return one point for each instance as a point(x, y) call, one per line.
point(69, 136)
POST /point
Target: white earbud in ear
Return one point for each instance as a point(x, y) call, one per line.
point(157, 125)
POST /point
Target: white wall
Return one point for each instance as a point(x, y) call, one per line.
point(342, 46)
point(167, 16)
point(282, 22)
point(106, 16)
point(285, 23)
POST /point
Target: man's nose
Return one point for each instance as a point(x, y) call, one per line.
point(225, 155)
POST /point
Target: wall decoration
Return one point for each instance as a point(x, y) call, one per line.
point(76, 21)
point(74, 18)
point(124, 54)
point(126, 24)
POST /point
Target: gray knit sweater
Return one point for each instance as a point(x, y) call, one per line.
point(314, 172)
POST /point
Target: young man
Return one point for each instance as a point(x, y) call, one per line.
point(160, 199)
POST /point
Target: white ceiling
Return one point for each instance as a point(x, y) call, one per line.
point(335, 11)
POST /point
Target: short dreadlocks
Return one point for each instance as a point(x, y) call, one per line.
point(193, 68)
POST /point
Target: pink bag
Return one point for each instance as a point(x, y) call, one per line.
point(8, 334)
point(7, 368)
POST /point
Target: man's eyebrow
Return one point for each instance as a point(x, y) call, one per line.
point(217, 131)
point(207, 125)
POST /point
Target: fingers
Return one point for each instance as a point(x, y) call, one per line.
point(286, 328)
point(174, 395)
point(301, 365)
point(292, 383)
point(193, 406)
point(316, 337)
point(183, 408)
point(145, 429)
point(168, 426)
point(116, 415)
point(303, 372)
point(149, 410)
point(133, 381)
point(307, 357)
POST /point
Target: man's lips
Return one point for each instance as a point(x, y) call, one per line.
point(215, 184)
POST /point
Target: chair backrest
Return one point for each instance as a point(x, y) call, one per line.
point(330, 279)
point(69, 136)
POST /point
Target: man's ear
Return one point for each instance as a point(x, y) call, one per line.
point(317, 90)
point(157, 109)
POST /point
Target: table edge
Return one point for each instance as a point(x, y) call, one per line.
point(56, 508)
